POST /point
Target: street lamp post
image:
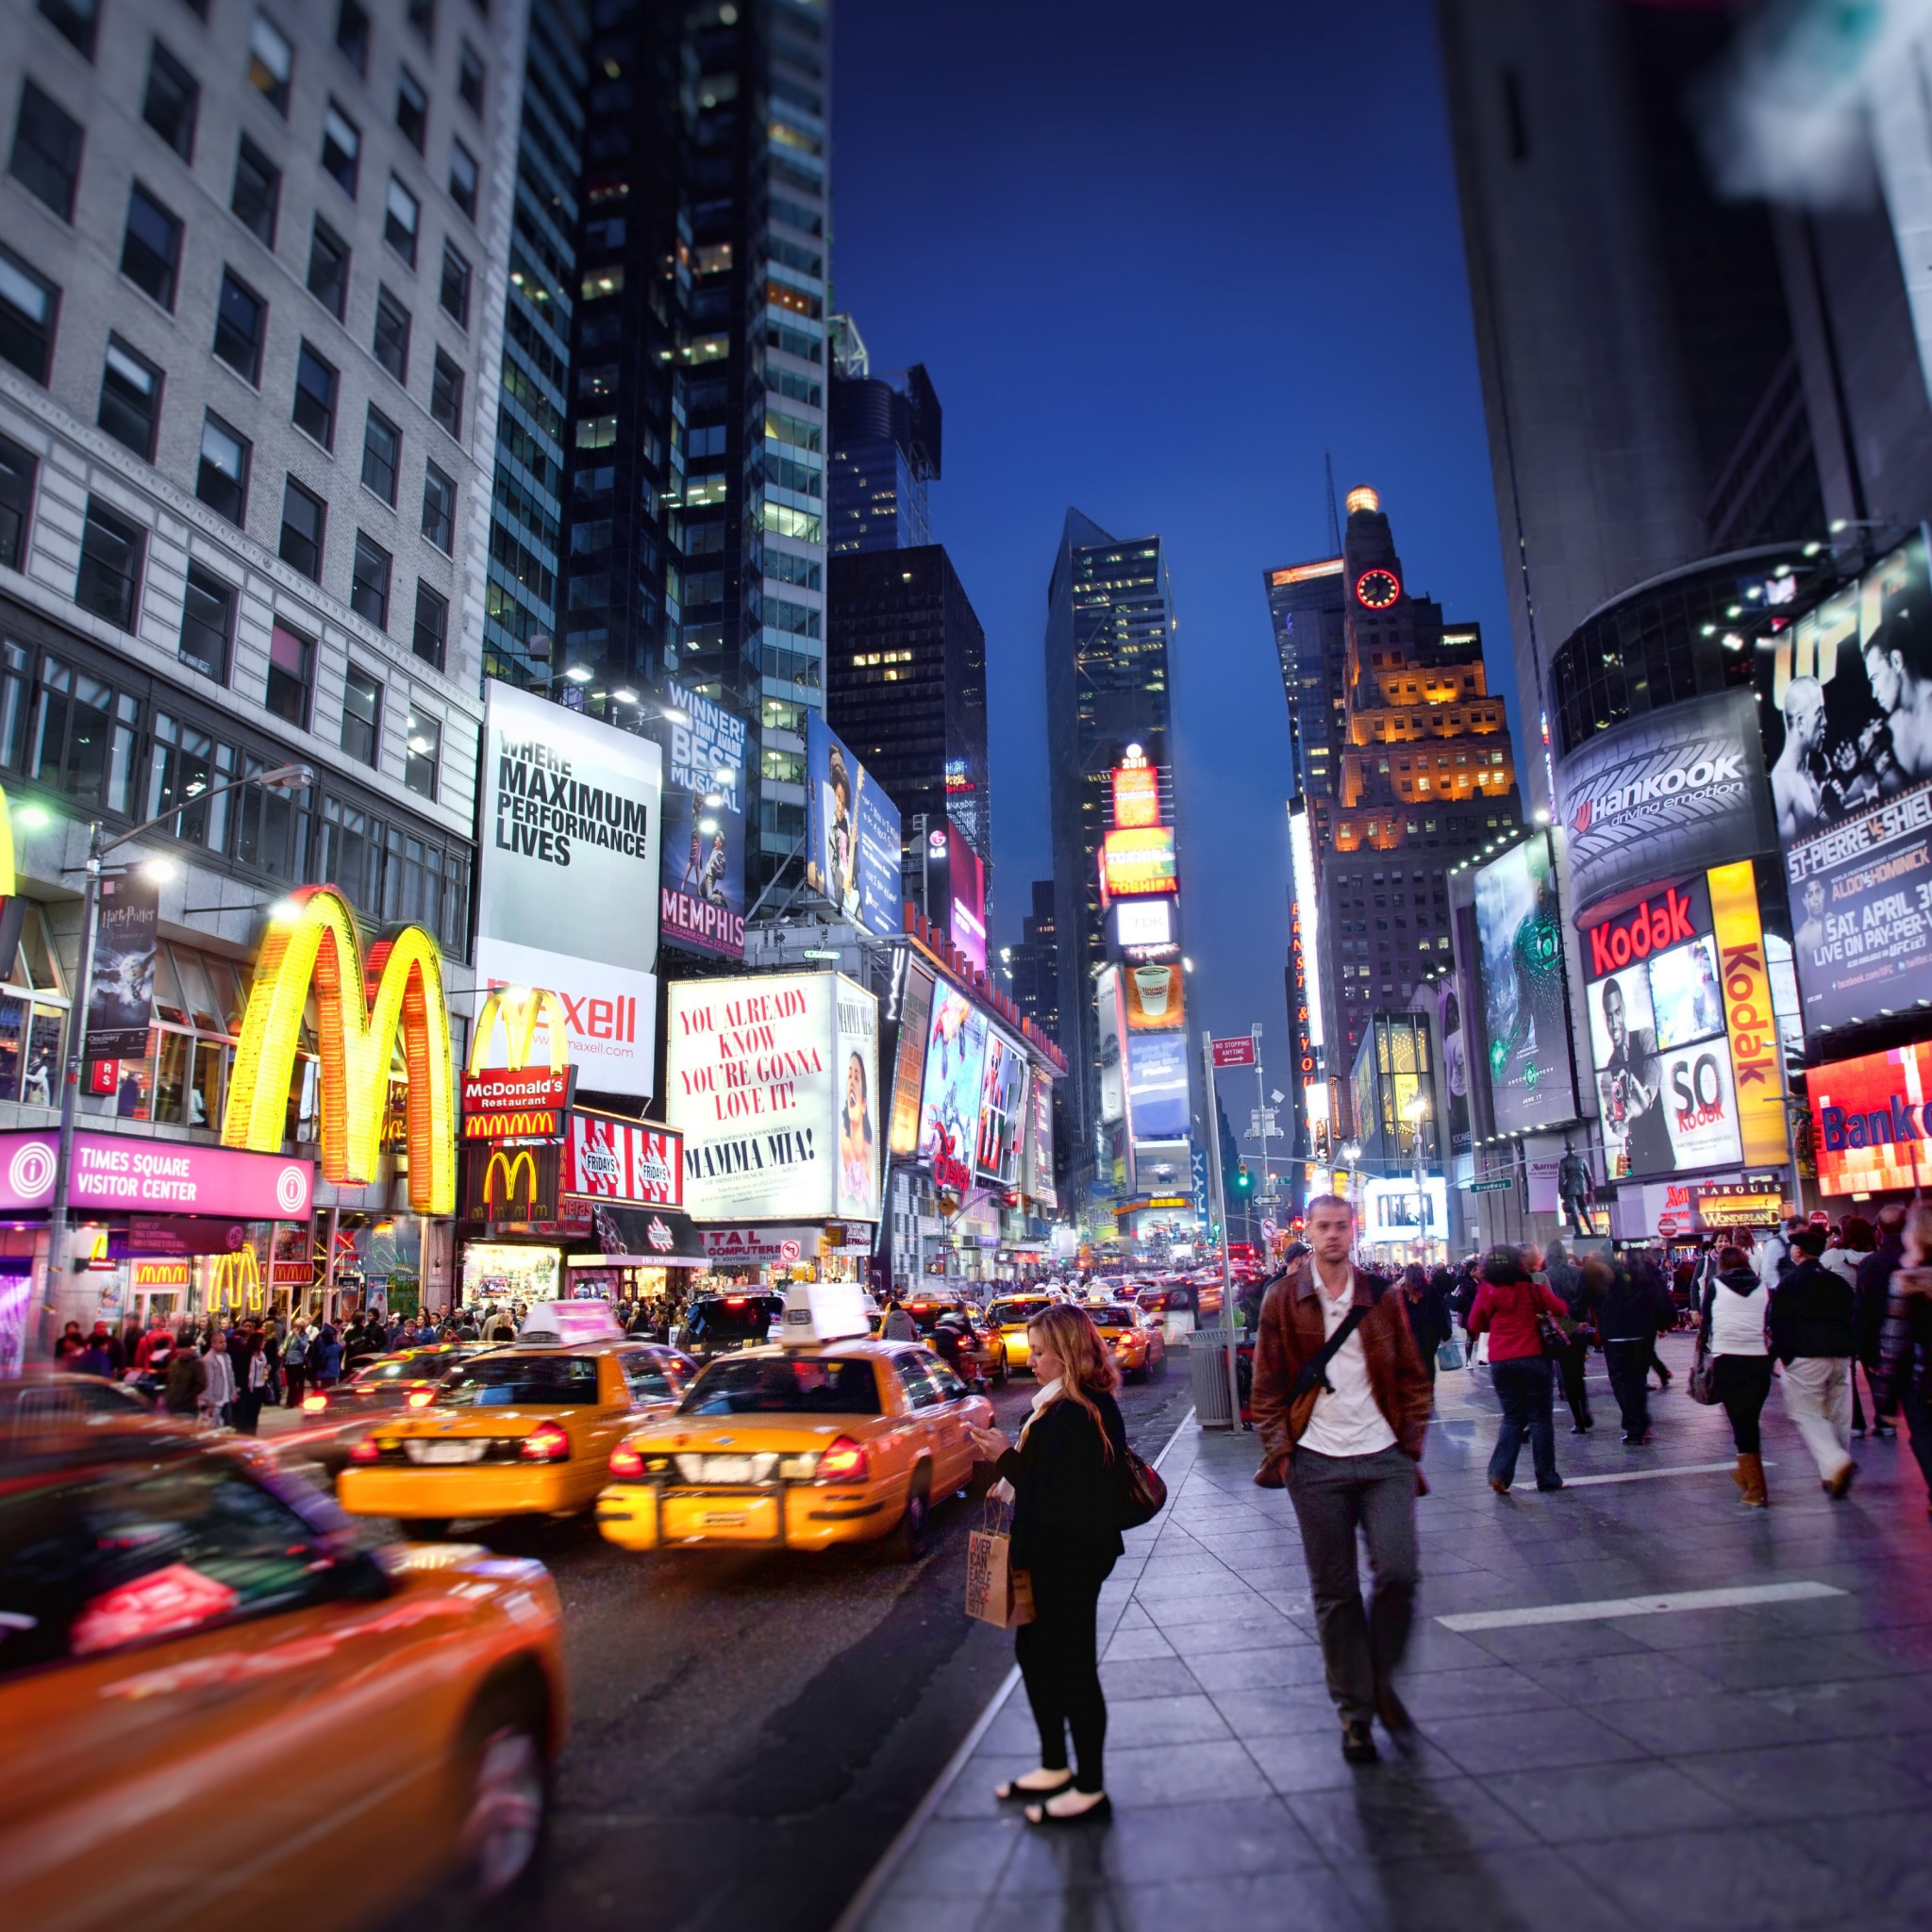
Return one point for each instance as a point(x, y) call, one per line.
point(280, 778)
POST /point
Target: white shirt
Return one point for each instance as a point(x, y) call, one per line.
point(1347, 1422)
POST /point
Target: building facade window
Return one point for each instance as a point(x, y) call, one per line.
point(46, 151)
point(257, 193)
point(382, 454)
point(172, 101)
point(342, 149)
point(391, 344)
point(221, 478)
point(439, 508)
point(351, 36)
point(130, 408)
point(112, 549)
point(208, 624)
point(240, 322)
point(316, 383)
point(454, 292)
point(470, 78)
point(361, 715)
point(27, 309)
point(291, 672)
point(369, 583)
point(412, 109)
point(151, 247)
point(446, 396)
point(462, 178)
point(328, 269)
point(17, 470)
point(271, 62)
point(402, 215)
point(432, 624)
point(76, 20)
point(423, 738)
point(305, 516)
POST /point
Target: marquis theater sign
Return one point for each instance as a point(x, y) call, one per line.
point(362, 1007)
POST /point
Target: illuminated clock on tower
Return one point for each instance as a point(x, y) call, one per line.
point(1378, 589)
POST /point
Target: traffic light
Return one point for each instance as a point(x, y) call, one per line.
point(1244, 1180)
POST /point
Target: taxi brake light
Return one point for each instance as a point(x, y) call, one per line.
point(421, 1398)
point(365, 1450)
point(734, 1301)
point(844, 1461)
point(625, 1463)
point(546, 1442)
point(314, 1404)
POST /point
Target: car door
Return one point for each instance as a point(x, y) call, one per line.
point(939, 1397)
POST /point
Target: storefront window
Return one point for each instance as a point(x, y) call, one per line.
point(12, 1031)
point(43, 1057)
point(171, 1081)
point(134, 1089)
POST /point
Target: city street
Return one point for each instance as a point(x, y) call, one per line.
point(748, 1732)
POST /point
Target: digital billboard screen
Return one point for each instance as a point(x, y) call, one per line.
point(1038, 1180)
point(852, 834)
point(1520, 937)
point(701, 884)
point(1658, 1046)
point(1869, 1129)
point(966, 897)
point(954, 1074)
point(1157, 1085)
point(908, 1028)
point(1850, 691)
point(1000, 1111)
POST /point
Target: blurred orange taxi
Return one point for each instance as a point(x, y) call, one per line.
point(212, 1694)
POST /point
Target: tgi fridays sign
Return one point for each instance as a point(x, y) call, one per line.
point(613, 1159)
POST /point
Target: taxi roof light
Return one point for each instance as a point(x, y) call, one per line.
point(844, 1461)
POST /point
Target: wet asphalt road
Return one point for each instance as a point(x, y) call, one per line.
point(748, 1731)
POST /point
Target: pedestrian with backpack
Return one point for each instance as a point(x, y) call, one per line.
point(1069, 1474)
point(1340, 1403)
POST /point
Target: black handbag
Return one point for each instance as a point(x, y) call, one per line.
point(1143, 1493)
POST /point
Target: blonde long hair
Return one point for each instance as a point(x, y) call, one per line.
point(1088, 1369)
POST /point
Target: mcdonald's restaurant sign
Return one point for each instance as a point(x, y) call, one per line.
point(363, 1008)
point(519, 1105)
point(513, 1183)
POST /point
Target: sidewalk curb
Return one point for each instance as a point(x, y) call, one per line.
point(882, 1873)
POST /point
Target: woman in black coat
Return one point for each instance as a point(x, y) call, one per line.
point(1066, 1477)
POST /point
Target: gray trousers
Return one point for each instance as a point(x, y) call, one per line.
point(1334, 1497)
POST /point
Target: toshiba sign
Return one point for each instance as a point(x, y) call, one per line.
point(1674, 791)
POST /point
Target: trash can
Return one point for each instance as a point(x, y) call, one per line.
point(1207, 1350)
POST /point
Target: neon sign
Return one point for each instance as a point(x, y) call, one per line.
point(318, 946)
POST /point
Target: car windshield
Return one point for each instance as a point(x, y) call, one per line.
point(735, 1318)
point(522, 1381)
point(927, 1315)
point(1113, 1316)
point(1004, 1314)
point(784, 1385)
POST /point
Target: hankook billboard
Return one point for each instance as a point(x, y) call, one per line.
point(1673, 791)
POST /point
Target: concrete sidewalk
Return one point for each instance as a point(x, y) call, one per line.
point(1762, 1760)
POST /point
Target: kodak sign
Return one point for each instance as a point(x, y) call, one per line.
point(363, 1008)
point(1654, 926)
point(1757, 1059)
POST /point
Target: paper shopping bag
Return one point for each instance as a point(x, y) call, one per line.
point(996, 1593)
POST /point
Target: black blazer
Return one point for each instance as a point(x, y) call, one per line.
point(1066, 1492)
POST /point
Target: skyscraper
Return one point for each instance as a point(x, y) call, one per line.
point(1108, 625)
point(254, 330)
point(1669, 371)
point(698, 501)
point(528, 509)
point(886, 448)
point(1416, 768)
point(1034, 964)
point(905, 684)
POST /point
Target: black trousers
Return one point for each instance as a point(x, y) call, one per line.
point(1525, 1388)
point(1629, 1366)
point(1058, 1655)
point(1742, 1382)
point(1575, 1390)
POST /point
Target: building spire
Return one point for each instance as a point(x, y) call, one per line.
point(1334, 519)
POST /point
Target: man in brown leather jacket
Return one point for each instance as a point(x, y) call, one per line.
point(1346, 1437)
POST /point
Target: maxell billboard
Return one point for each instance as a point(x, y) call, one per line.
point(1674, 791)
point(567, 876)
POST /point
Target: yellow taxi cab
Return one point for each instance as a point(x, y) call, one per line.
point(1008, 1317)
point(799, 1448)
point(526, 1430)
point(192, 1639)
point(1139, 1349)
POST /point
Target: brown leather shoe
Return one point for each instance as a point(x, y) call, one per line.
point(1359, 1745)
point(1395, 1718)
point(1840, 1486)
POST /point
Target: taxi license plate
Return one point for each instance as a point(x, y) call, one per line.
point(447, 1452)
point(698, 1518)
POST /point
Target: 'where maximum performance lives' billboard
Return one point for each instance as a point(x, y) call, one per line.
point(567, 878)
point(1850, 723)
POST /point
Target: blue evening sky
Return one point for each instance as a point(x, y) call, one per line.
point(1158, 258)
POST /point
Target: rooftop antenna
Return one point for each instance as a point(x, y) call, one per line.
point(1334, 518)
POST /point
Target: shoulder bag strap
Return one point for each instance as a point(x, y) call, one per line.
point(1315, 1370)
